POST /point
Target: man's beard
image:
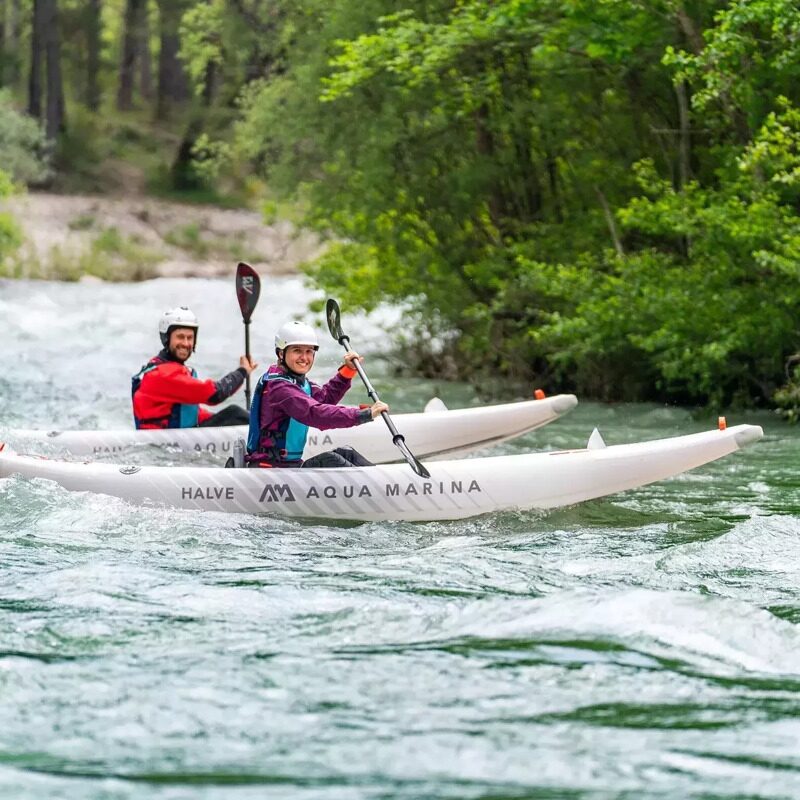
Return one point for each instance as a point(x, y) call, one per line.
point(174, 353)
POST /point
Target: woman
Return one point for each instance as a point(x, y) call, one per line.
point(286, 404)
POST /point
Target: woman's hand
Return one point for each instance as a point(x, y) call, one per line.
point(378, 409)
point(350, 358)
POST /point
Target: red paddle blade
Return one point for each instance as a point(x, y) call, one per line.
point(248, 289)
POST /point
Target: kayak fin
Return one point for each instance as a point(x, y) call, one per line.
point(596, 441)
point(435, 404)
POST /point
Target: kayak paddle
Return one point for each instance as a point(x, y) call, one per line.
point(248, 288)
point(335, 327)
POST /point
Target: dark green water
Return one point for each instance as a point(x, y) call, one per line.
point(642, 646)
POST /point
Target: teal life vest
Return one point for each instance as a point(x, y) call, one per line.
point(283, 441)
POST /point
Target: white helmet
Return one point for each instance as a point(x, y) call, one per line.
point(296, 333)
point(181, 317)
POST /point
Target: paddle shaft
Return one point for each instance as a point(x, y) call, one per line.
point(247, 354)
point(397, 438)
point(373, 395)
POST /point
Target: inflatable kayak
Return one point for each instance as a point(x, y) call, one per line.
point(456, 489)
point(434, 433)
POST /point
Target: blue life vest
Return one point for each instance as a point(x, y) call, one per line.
point(182, 415)
point(287, 440)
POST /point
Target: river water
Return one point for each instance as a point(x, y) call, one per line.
point(642, 646)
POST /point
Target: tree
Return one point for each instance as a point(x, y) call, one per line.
point(131, 52)
point(172, 84)
point(46, 47)
point(145, 56)
point(35, 87)
point(93, 45)
point(55, 111)
point(530, 174)
point(9, 41)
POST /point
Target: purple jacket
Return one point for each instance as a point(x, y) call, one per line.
point(282, 400)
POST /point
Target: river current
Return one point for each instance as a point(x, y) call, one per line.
point(641, 646)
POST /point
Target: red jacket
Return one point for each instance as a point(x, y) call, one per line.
point(167, 393)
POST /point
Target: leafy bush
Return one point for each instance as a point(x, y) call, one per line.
point(24, 152)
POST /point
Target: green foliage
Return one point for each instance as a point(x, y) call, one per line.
point(201, 243)
point(188, 237)
point(23, 149)
point(709, 302)
point(787, 398)
point(10, 240)
point(160, 184)
point(114, 256)
point(351, 271)
point(751, 57)
point(210, 158)
point(201, 43)
point(83, 222)
point(110, 256)
point(601, 192)
point(107, 153)
point(774, 156)
point(10, 233)
point(526, 175)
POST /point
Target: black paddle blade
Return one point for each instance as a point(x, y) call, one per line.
point(248, 289)
point(334, 317)
point(412, 460)
point(419, 468)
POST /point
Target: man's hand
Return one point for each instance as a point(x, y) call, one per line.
point(247, 364)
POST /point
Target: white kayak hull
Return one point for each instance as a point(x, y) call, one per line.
point(429, 434)
point(455, 490)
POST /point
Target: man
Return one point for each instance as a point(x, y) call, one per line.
point(286, 404)
point(167, 394)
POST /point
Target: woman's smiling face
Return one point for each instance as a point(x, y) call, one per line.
point(299, 358)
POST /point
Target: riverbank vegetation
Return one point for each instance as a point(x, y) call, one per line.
point(602, 194)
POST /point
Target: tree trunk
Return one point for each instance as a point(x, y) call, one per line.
point(12, 42)
point(684, 151)
point(172, 84)
point(610, 221)
point(4, 39)
point(145, 56)
point(690, 31)
point(210, 84)
point(56, 116)
point(484, 145)
point(93, 53)
point(130, 43)
point(685, 140)
point(183, 175)
point(37, 56)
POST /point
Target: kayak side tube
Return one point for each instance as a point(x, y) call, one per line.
point(456, 489)
point(432, 434)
